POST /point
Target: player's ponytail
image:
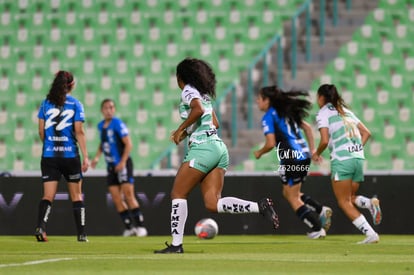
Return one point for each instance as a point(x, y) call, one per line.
point(61, 85)
point(331, 95)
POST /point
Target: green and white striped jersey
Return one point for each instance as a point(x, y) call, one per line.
point(344, 137)
point(202, 130)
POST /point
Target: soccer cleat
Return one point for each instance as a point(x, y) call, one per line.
point(374, 238)
point(141, 231)
point(82, 238)
point(170, 249)
point(267, 210)
point(129, 232)
point(40, 234)
point(375, 211)
point(325, 217)
point(321, 234)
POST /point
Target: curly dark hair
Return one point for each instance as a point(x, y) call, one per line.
point(288, 104)
point(61, 85)
point(199, 74)
point(331, 95)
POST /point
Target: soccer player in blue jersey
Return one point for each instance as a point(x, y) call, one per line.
point(61, 118)
point(282, 124)
point(116, 146)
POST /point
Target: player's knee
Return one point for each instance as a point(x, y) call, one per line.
point(343, 204)
point(48, 198)
point(177, 195)
point(211, 205)
point(289, 196)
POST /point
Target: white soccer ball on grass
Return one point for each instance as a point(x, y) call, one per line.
point(206, 228)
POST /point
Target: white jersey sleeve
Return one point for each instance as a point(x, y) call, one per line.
point(188, 94)
point(322, 118)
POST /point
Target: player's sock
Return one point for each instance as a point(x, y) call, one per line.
point(362, 202)
point(309, 217)
point(45, 207)
point(311, 203)
point(79, 214)
point(234, 205)
point(363, 226)
point(138, 217)
point(126, 219)
point(179, 214)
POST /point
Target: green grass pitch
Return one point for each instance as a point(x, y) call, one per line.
point(231, 254)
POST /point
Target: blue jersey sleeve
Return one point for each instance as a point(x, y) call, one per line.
point(111, 140)
point(268, 126)
point(121, 128)
point(80, 112)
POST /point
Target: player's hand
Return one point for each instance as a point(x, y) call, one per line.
point(119, 167)
point(316, 158)
point(85, 165)
point(257, 154)
point(178, 135)
point(94, 163)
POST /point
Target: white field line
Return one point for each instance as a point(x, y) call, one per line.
point(37, 262)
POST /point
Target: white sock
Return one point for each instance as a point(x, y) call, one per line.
point(363, 226)
point(234, 205)
point(362, 202)
point(179, 213)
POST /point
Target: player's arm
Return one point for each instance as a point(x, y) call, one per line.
point(269, 145)
point(215, 120)
point(196, 112)
point(307, 129)
point(323, 143)
point(81, 138)
point(365, 132)
point(41, 129)
point(125, 155)
point(97, 156)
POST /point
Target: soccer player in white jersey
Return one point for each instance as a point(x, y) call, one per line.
point(207, 158)
point(345, 136)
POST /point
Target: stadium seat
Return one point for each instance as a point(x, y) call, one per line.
point(382, 73)
point(128, 50)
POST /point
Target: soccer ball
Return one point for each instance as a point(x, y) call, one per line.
point(206, 228)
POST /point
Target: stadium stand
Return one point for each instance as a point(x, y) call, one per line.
point(124, 50)
point(127, 51)
point(375, 59)
point(374, 73)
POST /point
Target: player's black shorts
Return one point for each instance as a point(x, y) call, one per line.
point(294, 171)
point(124, 176)
point(54, 168)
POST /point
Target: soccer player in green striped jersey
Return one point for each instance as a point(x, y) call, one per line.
point(345, 136)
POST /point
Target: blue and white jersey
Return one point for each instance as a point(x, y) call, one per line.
point(290, 144)
point(111, 140)
point(59, 132)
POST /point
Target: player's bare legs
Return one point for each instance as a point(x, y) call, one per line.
point(343, 193)
point(344, 190)
point(49, 190)
point(292, 195)
point(211, 188)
